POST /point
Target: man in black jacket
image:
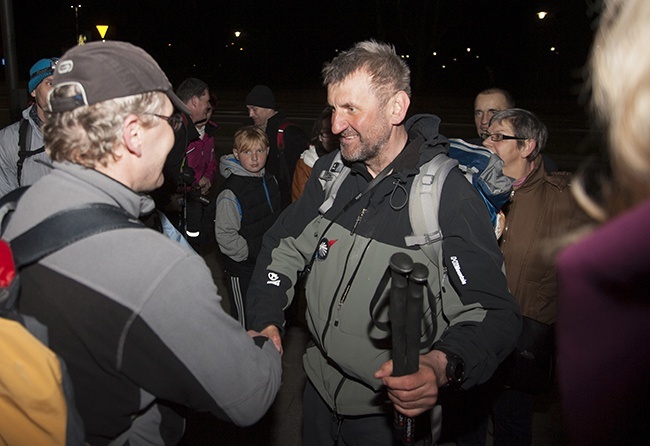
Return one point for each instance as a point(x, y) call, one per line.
point(286, 140)
point(351, 389)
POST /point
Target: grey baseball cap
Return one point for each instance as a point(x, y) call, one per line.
point(108, 70)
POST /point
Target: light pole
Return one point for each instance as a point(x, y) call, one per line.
point(76, 21)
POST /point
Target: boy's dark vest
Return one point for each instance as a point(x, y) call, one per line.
point(260, 207)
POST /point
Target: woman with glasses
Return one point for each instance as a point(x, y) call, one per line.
point(541, 209)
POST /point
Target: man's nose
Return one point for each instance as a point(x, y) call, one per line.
point(338, 123)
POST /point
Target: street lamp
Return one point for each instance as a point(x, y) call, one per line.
point(76, 19)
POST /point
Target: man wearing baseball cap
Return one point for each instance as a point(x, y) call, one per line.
point(136, 316)
point(22, 156)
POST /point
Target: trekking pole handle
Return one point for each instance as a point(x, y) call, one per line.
point(400, 266)
point(415, 296)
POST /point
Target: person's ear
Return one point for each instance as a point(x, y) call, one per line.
point(529, 147)
point(236, 153)
point(398, 106)
point(132, 134)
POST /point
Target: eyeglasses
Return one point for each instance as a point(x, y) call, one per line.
point(496, 137)
point(175, 120)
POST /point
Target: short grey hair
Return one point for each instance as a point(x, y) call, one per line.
point(388, 72)
point(525, 124)
point(191, 87)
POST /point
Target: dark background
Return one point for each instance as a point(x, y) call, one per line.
point(285, 42)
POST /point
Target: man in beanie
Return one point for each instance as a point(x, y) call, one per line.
point(287, 141)
point(136, 316)
point(25, 136)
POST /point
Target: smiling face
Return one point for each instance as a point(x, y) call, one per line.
point(513, 152)
point(362, 124)
point(200, 106)
point(157, 143)
point(260, 115)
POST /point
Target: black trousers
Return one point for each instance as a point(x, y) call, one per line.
point(321, 427)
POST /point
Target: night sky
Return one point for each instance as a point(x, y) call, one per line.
point(285, 42)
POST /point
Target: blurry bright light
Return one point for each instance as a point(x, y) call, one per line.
point(542, 15)
point(444, 66)
point(552, 48)
point(169, 44)
point(469, 49)
point(435, 53)
point(237, 33)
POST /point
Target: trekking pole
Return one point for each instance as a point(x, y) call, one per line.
point(415, 296)
point(400, 266)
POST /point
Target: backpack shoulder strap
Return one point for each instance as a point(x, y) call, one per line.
point(424, 204)
point(280, 137)
point(331, 180)
point(67, 227)
point(24, 142)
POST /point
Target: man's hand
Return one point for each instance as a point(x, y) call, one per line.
point(205, 185)
point(273, 333)
point(416, 393)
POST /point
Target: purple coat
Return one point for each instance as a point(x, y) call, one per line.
point(603, 332)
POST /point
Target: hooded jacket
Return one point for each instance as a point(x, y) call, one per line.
point(481, 327)
point(247, 206)
point(34, 167)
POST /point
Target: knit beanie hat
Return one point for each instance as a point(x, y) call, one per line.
point(261, 96)
point(40, 70)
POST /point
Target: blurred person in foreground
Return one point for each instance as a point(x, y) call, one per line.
point(351, 395)
point(136, 316)
point(604, 279)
